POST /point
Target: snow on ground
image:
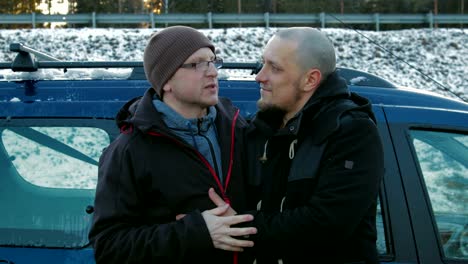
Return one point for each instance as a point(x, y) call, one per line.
point(415, 58)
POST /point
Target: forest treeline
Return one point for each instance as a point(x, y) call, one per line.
point(244, 6)
point(238, 6)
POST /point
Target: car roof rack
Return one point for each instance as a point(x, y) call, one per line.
point(30, 60)
point(27, 61)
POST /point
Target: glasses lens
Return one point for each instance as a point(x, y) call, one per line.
point(204, 65)
point(218, 63)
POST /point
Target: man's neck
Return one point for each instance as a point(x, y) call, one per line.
point(289, 115)
point(188, 111)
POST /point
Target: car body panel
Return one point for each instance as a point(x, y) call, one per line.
point(46, 255)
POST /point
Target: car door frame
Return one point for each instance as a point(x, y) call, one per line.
point(399, 242)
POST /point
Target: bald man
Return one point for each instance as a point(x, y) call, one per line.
point(317, 157)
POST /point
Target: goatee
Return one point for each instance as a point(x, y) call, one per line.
point(271, 114)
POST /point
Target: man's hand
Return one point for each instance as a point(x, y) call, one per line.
point(221, 232)
point(218, 201)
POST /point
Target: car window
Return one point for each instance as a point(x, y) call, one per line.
point(56, 157)
point(381, 241)
point(443, 160)
point(48, 178)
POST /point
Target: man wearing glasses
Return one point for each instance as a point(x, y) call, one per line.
point(177, 141)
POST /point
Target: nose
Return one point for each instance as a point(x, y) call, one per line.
point(211, 71)
point(260, 76)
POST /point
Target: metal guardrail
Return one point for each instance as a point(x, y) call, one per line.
point(322, 19)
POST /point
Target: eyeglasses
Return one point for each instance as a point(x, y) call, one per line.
point(203, 65)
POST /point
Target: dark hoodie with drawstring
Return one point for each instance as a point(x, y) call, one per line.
point(154, 171)
point(318, 179)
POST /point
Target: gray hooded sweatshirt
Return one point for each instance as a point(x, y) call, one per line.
point(201, 132)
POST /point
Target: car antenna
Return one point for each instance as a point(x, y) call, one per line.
point(441, 86)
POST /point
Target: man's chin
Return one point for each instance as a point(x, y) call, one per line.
point(262, 105)
point(208, 104)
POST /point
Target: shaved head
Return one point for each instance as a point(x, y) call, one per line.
point(314, 49)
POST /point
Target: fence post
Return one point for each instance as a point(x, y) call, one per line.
point(322, 19)
point(93, 17)
point(266, 17)
point(210, 21)
point(152, 20)
point(377, 21)
point(33, 19)
point(430, 18)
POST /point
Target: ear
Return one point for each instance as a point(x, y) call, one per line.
point(167, 87)
point(313, 77)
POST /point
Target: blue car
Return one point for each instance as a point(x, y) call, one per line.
point(52, 132)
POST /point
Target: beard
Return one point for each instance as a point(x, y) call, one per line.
point(271, 114)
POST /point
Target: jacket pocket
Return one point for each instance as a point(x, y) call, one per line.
point(306, 161)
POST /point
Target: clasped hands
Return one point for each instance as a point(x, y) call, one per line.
point(219, 221)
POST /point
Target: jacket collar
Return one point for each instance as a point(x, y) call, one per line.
point(141, 113)
point(174, 120)
point(145, 115)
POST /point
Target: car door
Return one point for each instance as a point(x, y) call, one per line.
point(47, 183)
point(395, 243)
point(51, 138)
point(431, 150)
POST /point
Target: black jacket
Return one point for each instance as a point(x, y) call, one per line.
point(318, 181)
point(148, 175)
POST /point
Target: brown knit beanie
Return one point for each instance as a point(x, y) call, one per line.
point(167, 50)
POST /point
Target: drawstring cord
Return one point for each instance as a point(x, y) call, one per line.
point(189, 125)
point(282, 202)
point(264, 158)
point(292, 152)
point(291, 149)
point(214, 126)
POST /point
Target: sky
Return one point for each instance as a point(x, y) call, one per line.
point(57, 7)
point(431, 60)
